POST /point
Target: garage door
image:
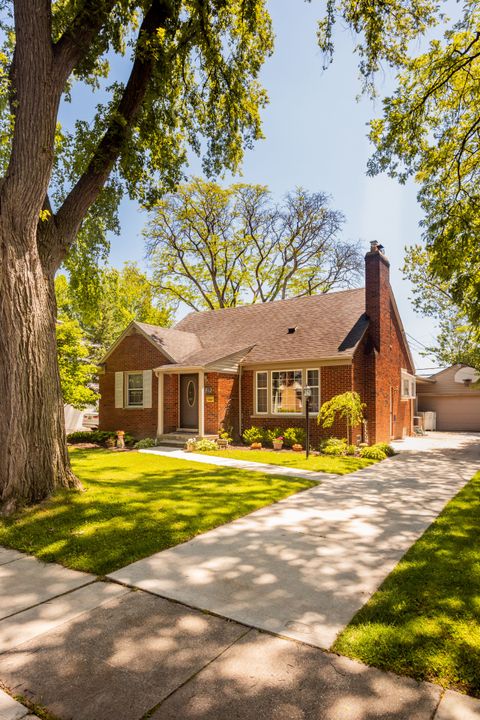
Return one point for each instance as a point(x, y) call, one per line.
point(454, 413)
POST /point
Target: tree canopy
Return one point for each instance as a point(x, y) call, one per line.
point(430, 129)
point(457, 340)
point(76, 369)
point(125, 295)
point(212, 246)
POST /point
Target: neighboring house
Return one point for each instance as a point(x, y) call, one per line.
point(245, 366)
point(453, 396)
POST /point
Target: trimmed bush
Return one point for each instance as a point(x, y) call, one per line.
point(351, 450)
point(294, 436)
point(387, 449)
point(334, 446)
point(270, 435)
point(205, 445)
point(373, 453)
point(145, 443)
point(96, 436)
point(253, 434)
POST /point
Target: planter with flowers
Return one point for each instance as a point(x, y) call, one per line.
point(190, 444)
point(224, 440)
point(297, 447)
point(256, 446)
point(278, 443)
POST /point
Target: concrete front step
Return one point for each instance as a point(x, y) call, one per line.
point(179, 439)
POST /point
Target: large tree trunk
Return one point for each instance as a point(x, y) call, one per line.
point(33, 455)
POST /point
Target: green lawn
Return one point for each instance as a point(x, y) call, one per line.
point(318, 463)
point(134, 505)
point(424, 620)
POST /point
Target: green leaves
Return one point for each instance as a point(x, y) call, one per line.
point(347, 406)
point(213, 247)
point(76, 371)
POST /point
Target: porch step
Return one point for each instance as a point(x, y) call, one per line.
point(179, 438)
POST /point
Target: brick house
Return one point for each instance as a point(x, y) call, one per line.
point(244, 366)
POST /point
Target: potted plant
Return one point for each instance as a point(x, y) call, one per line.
point(297, 447)
point(256, 446)
point(278, 443)
point(224, 439)
point(121, 439)
point(190, 444)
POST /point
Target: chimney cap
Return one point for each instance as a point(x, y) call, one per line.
point(376, 247)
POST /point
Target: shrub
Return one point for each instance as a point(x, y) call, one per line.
point(205, 445)
point(351, 450)
point(270, 435)
point(387, 449)
point(333, 446)
point(373, 453)
point(253, 434)
point(294, 436)
point(145, 443)
point(99, 437)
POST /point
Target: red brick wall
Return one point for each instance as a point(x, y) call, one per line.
point(170, 403)
point(384, 360)
point(223, 412)
point(135, 352)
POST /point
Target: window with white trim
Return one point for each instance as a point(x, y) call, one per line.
point(287, 393)
point(313, 381)
point(262, 392)
point(408, 387)
point(134, 389)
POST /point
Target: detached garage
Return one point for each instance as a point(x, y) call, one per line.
point(453, 395)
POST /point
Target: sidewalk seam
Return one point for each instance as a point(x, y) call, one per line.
point(150, 712)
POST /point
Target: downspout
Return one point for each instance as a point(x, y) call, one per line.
point(240, 400)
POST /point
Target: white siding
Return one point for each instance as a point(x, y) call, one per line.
point(119, 389)
point(147, 388)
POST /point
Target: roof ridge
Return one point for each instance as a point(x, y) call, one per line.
point(268, 303)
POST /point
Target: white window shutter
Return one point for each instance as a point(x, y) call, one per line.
point(147, 388)
point(119, 389)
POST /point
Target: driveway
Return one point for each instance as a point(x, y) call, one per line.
point(301, 568)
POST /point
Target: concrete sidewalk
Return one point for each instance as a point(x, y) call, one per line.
point(104, 652)
point(264, 468)
point(304, 566)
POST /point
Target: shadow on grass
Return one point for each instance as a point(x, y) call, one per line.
point(135, 505)
point(424, 621)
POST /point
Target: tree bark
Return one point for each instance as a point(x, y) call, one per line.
point(33, 455)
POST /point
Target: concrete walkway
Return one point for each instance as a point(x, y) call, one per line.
point(304, 566)
point(264, 468)
point(105, 652)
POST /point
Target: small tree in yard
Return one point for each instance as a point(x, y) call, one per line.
point(347, 406)
point(191, 83)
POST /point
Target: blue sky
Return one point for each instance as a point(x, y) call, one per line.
point(316, 137)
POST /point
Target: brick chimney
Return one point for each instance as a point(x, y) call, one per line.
point(377, 291)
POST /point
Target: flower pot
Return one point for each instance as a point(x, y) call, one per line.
point(256, 446)
point(222, 443)
point(277, 444)
point(297, 448)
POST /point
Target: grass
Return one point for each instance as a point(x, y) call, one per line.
point(424, 621)
point(318, 463)
point(134, 505)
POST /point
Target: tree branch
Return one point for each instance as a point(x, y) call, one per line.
point(86, 190)
point(71, 46)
